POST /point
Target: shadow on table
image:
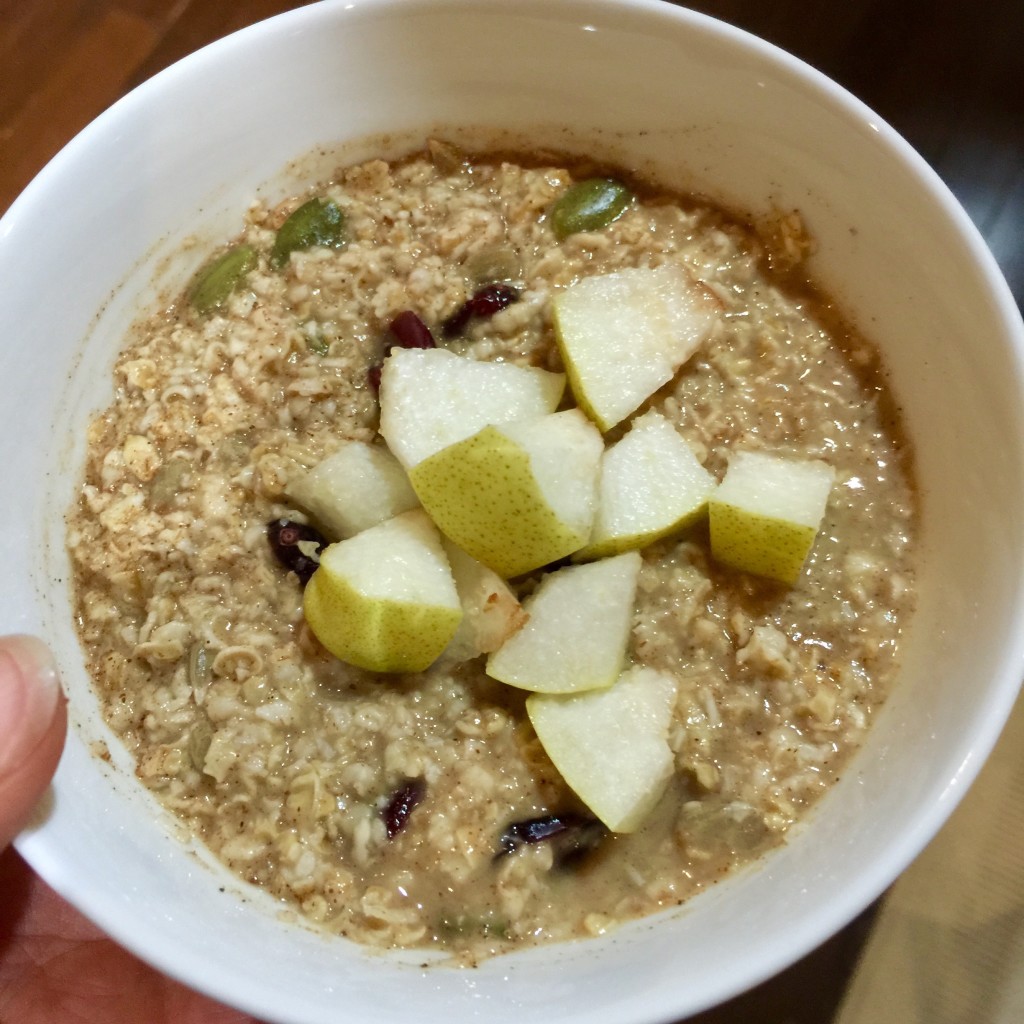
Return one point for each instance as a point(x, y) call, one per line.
point(809, 992)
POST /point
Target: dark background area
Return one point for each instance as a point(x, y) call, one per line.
point(947, 74)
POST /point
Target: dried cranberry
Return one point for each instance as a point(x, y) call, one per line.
point(574, 836)
point(481, 304)
point(285, 536)
point(409, 331)
point(406, 330)
point(398, 808)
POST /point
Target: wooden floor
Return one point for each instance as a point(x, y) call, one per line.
point(948, 74)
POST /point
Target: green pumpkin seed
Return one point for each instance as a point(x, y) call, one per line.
point(167, 482)
point(499, 264)
point(589, 205)
point(317, 222)
point(199, 740)
point(316, 340)
point(199, 671)
point(212, 286)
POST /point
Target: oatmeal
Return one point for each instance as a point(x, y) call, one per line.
point(421, 809)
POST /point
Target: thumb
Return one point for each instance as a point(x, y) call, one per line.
point(33, 721)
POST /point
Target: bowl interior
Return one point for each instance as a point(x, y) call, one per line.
point(712, 111)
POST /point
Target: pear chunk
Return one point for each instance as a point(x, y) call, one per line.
point(650, 486)
point(515, 496)
point(356, 487)
point(432, 398)
point(491, 611)
point(766, 513)
point(579, 623)
point(611, 746)
point(385, 599)
point(624, 335)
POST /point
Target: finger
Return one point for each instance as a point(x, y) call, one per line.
point(33, 722)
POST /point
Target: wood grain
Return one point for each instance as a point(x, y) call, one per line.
point(83, 82)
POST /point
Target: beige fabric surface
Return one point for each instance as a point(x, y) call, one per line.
point(948, 944)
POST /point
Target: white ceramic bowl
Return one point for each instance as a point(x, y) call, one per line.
point(703, 107)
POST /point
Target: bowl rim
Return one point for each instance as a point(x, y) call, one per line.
point(868, 882)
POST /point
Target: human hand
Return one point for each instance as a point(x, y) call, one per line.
point(54, 964)
point(33, 721)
